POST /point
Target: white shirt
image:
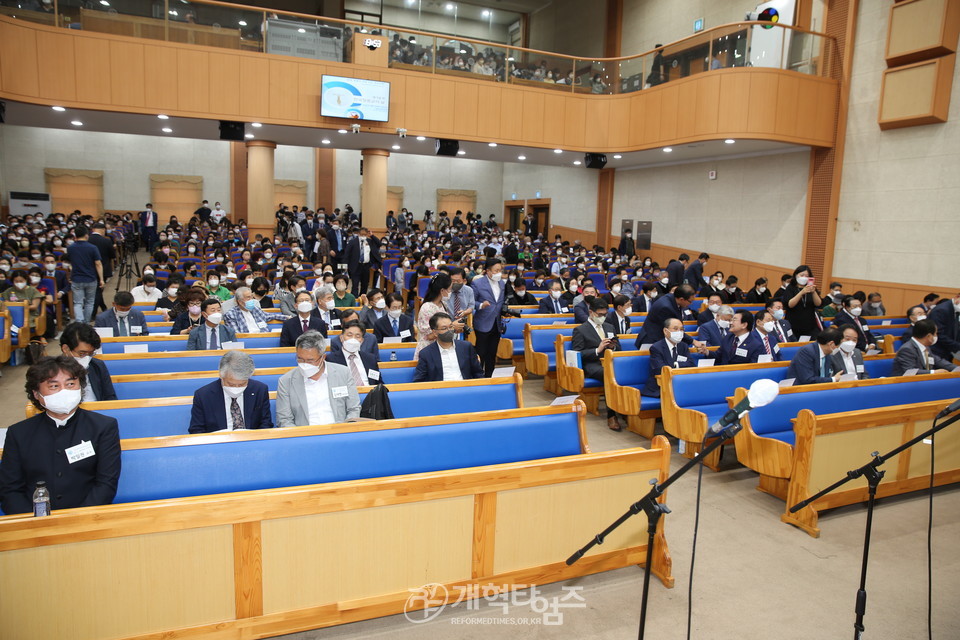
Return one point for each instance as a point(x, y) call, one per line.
point(218, 214)
point(227, 402)
point(140, 294)
point(848, 363)
point(364, 250)
point(317, 392)
point(495, 287)
point(451, 366)
point(928, 363)
point(252, 326)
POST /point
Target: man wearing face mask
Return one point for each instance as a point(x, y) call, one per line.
point(316, 392)
point(693, 275)
point(710, 309)
point(490, 297)
point(946, 316)
point(394, 324)
point(627, 246)
point(782, 328)
point(123, 319)
point(850, 315)
point(363, 256)
point(915, 314)
point(233, 401)
point(212, 333)
point(919, 353)
point(74, 451)
point(812, 363)
point(148, 226)
point(643, 302)
point(147, 291)
point(326, 308)
point(302, 322)
point(374, 308)
point(713, 332)
point(80, 341)
point(592, 339)
point(671, 352)
point(848, 358)
point(874, 306)
point(246, 316)
point(368, 343)
point(362, 366)
point(446, 359)
point(671, 305)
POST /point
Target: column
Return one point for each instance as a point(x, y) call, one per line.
point(373, 191)
point(605, 188)
point(260, 204)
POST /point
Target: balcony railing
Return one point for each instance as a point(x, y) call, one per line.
point(220, 24)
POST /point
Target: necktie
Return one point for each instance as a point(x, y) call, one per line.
point(357, 378)
point(926, 359)
point(673, 354)
point(556, 306)
point(766, 345)
point(396, 328)
point(456, 303)
point(122, 326)
point(235, 416)
point(306, 325)
point(783, 338)
point(823, 367)
point(213, 338)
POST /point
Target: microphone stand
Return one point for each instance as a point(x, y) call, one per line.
point(873, 475)
point(654, 510)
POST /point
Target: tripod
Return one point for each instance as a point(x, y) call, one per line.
point(128, 269)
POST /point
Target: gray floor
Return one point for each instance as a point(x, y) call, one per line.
point(756, 578)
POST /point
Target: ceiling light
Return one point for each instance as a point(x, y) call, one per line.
point(510, 59)
point(167, 130)
point(449, 6)
point(491, 144)
point(577, 163)
point(163, 117)
point(420, 138)
point(242, 23)
point(521, 157)
point(58, 108)
point(256, 124)
point(341, 130)
point(248, 136)
point(729, 141)
point(486, 13)
point(76, 123)
point(461, 152)
point(667, 149)
point(304, 30)
point(325, 141)
point(173, 12)
point(395, 147)
point(105, 3)
point(617, 157)
point(558, 150)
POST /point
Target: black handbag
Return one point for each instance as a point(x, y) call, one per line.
point(376, 406)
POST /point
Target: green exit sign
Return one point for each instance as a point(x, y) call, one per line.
point(698, 25)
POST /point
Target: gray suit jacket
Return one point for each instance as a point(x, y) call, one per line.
point(909, 357)
point(292, 410)
point(837, 359)
point(467, 300)
point(197, 340)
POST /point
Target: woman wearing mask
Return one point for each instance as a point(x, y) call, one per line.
point(80, 341)
point(190, 317)
point(514, 279)
point(801, 301)
point(261, 289)
point(438, 291)
point(36, 276)
point(215, 288)
point(759, 294)
point(343, 297)
point(714, 287)
point(170, 295)
point(490, 295)
point(21, 291)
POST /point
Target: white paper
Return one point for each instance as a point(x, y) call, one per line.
point(503, 372)
point(646, 347)
point(572, 359)
point(232, 345)
point(373, 374)
point(776, 348)
point(405, 334)
point(135, 348)
point(14, 329)
point(564, 309)
point(787, 382)
point(847, 377)
point(765, 358)
point(803, 339)
point(564, 400)
point(886, 322)
point(706, 362)
point(682, 446)
point(392, 340)
point(104, 332)
point(339, 392)
point(911, 372)
point(136, 328)
point(872, 352)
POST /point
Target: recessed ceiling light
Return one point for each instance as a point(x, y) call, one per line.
point(521, 157)
point(558, 150)
point(617, 157)
point(173, 12)
point(248, 136)
point(463, 50)
point(395, 147)
point(304, 31)
point(59, 108)
point(491, 144)
point(449, 7)
point(420, 138)
point(667, 149)
point(167, 130)
point(461, 152)
point(105, 3)
point(76, 123)
point(486, 13)
point(325, 141)
point(577, 162)
point(729, 141)
point(341, 130)
point(256, 124)
point(163, 117)
point(242, 23)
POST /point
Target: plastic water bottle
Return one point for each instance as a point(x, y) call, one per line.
point(393, 356)
point(41, 500)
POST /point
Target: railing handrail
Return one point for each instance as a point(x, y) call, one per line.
point(499, 45)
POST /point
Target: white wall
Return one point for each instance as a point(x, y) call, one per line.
point(754, 210)
point(296, 163)
point(572, 191)
point(899, 215)
point(444, 24)
point(126, 161)
point(647, 23)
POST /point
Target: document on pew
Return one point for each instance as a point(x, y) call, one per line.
point(787, 382)
point(886, 322)
point(646, 346)
point(136, 348)
point(232, 345)
point(847, 377)
point(765, 358)
point(872, 352)
point(706, 362)
point(564, 400)
point(104, 332)
point(573, 359)
point(803, 339)
point(503, 372)
point(911, 372)
point(392, 340)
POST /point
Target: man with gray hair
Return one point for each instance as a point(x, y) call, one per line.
point(326, 306)
point(713, 331)
point(232, 401)
point(316, 392)
point(247, 316)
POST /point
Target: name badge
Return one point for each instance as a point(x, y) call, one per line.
point(609, 335)
point(373, 374)
point(334, 322)
point(80, 452)
point(339, 392)
point(564, 309)
point(741, 353)
point(681, 358)
point(776, 348)
point(859, 368)
point(789, 333)
point(405, 333)
point(262, 325)
point(136, 328)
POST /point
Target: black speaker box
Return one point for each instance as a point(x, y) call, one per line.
point(230, 130)
point(595, 160)
point(447, 147)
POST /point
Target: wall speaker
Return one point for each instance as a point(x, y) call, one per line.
point(447, 147)
point(230, 130)
point(595, 160)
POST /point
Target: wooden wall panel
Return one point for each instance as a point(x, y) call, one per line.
point(284, 77)
point(597, 120)
point(465, 109)
point(574, 122)
point(553, 119)
point(734, 102)
point(511, 114)
point(825, 126)
point(533, 102)
point(788, 91)
point(126, 73)
point(653, 105)
point(442, 105)
point(193, 80)
point(708, 105)
point(18, 61)
point(668, 113)
point(160, 66)
point(92, 63)
point(762, 108)
point(620, 125)
point(254, 87)
point(686, 113)
point(56, 72)
point(225, 83)
point(416, 97)
point(398, 109)
point(488, 111)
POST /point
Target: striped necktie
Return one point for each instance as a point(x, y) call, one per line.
point(355, 371)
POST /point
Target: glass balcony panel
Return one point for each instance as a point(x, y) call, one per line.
point(541, 70)
point(303, 37)
point(410, 50)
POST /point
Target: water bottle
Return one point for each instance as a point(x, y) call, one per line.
point(41, 500)
point(393, 356)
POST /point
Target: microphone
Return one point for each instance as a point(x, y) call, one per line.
point(762, 392)
point(953, 407)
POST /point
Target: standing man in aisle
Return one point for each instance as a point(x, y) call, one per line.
point(87, 274)
point(148, 227)
point(361, 256)
point(108, 257)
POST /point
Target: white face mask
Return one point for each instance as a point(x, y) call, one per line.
point(215, 318)
point(249, 282)
point(731, 289)
point(626, 312)
point(63, 401)
point(51, 267)
point(341, 286)
point(330, 305)
point(172, 291)
point(267, 256)
point(20, 285)
point(768, 327)
point(395, 313)
point(664, 281)
point(148, 288)
point(802, 280)
point(723, 324)
point(556, 295)
point(934, 341)
point(615, 288)
point(122, 314)
point(84, 361)
point(213, 283)
point(496, 277)
point(676, 337)
point(847, 346)
point(778, 314)
point(34, 279)
point(714, 308)
point(597, 320)
point(304, 307)
point(351, 345)
point(856, 312)
point(761, 289)
point(309, 370)
point(512, 278)
point(380, 304)
point(919, 318)
point(234, 392)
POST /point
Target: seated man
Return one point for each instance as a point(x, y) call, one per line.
point(670, 352)
point(914, 314)
point(81, 342)
point(764, 331)
point(581, 310)
point(369, 344)
point(123, 319)
point(782, 329)
point(713, 331)
point(362, 366)
point(326, 306)
point(316, 392)
point(592, 339)
point(302, 322)
point(916, 352)
point(247, 316)
point(75, 451)
point(395, 323)
point(217, 406)
point(711, 309)
point(553, 302)
point(147, 291)
point(849, 314)
point(812, 363)
point(643, 302)
point(619, 318)
point(211, 334)
point(740, 346)
point(848, 358)
point(374, 309)
point(446, 359)
point(874, 306)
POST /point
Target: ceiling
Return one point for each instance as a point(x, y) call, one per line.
point(504, 11)
point(23, 114)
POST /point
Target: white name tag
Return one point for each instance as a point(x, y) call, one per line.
point(803, 339)
point(405, 333)
point(742, 353)
point(79, 452)
point(334, 322)
point(789, 333)
point(609, 335)
point(776, 348)
point(886, 322)
point(564, 309)
point(859, 368)
point(681, 358)
point(262, 325)
point(373, 374)
point(765, 358)
point(340, 392)
point(392, 340)
point(136, 328)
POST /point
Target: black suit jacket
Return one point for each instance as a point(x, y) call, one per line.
point(864, 337)
point(948, 329)
point(586, 340)
point(35, 450)
point(99, 379)
point(293, 329)
point(662, 308)
point(660, 357)
point(369, 364)
point(107, 253)
point(675, 270)
point(430, 366)
point(209, 412)
point(547, 305)
point(383, 328)
point(613, 319)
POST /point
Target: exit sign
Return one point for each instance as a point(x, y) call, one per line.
point(698, 25)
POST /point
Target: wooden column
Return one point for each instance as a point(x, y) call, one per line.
point(605, 205)
point(612, 31)
point(238, 182)
point(260, 204)
point(325, 193)
point(373, 191)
